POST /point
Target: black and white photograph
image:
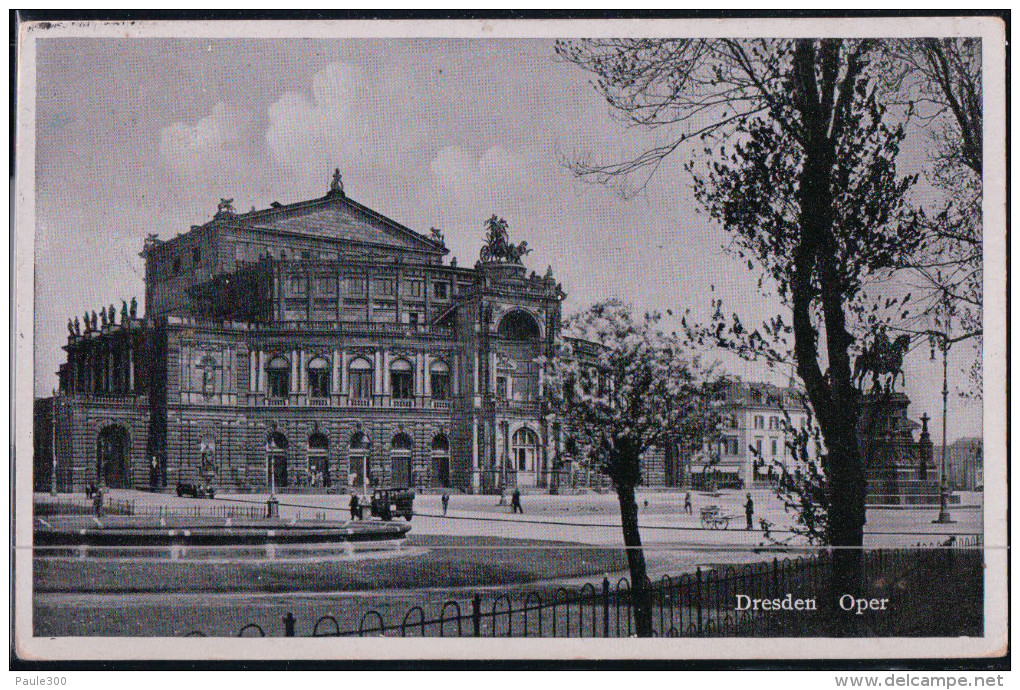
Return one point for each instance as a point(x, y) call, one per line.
point(527, 339)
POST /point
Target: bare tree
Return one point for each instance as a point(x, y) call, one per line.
point(938, 82)
point(797, 161)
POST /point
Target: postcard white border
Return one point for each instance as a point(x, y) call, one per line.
point(994, 642)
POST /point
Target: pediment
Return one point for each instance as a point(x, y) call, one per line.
point(341, 218)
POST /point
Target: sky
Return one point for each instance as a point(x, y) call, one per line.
point(138, 135)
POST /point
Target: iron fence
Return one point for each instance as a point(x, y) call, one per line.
point(111, 506)
point(700, 604)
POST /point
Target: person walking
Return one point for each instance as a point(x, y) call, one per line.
point(355, 507)
point(97, 502)
point(749, 511)
point(446, 501)
point(688, 507)
point(515, 502)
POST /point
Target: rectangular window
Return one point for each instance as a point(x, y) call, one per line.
point(318, 383)
point(354, 286)
point(279, 383)
point(501, 388)
point(757, 445)
point(402, 385)
point(414, 288)
point(326, 286)
point(730, 445)
point(412, 318)
point(522, 388)
point(759, 421)
point(384, 286)
point(361, 384)
point(440, 386)
point(440, 290)
point(775, 447)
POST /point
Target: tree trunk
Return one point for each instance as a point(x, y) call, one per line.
point(641, 603)
point(815, 281)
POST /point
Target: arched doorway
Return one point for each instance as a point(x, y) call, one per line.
point(318, 460)
point(400, 460)
point(441, 460)
point(358, 456)
point(276, 460)
point(112, 461)
point(524, 450)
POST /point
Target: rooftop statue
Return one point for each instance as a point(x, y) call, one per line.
point(497, 243)
point(95, 320)
point(77, 326)
point(112, 312)
point(70, 327)
point(102, 316)
point(134, 308)
point(225, 209)
point(437, 235)
point(123, 311)
point(336, 185)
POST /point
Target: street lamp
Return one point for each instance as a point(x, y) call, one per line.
point(53, 442)
point(944, 516)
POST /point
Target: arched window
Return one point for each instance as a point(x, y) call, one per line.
point(402, 442)
point(518, 326)
point(278, 371)
point(401, 380)
point(525, 449)
point(360, 377)
point(318, 378)
point(440, 375)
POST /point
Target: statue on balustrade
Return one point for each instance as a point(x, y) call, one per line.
point(102, 316)
point(112, 315)
point(70, 327)
point(134, 308)
point(123, 311)
point(77, 326)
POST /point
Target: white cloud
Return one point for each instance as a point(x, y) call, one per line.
point(308, 135)
point(226, 129)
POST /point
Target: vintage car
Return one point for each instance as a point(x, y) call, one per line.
point(195, 491)
point(388, 503)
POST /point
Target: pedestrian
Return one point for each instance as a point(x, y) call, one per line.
point(688, 508)
point(355, 507)
point(446, 501)
point(749, 511)
point(515, 502)
point(97, 502)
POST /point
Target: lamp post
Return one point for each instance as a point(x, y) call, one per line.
point(944, 516)
point(53, 442)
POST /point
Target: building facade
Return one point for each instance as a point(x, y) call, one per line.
point(754, 445)
point(310, 346)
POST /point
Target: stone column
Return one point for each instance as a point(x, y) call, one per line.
point(334, 378)
point(385, 372)
point(426, 367)
point(131, 368)
point(252, 371)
